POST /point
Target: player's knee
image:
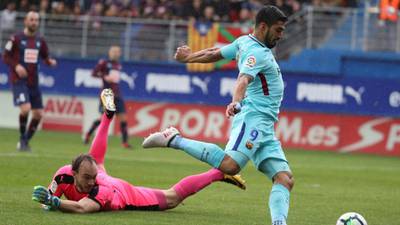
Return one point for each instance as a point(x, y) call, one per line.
point(121, 117)
point(24, 112)
point(172, 198)
point(286, 179)
point(37, 114)
point(229, 166)
point(25, 109)
point(172, 204)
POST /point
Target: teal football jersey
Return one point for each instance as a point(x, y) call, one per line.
point(265, 92)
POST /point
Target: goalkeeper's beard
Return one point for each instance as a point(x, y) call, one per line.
point(83, 188)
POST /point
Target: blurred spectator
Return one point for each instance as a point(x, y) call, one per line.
point(149, 9)
point(245, 20)
point(69, 4)
point(95, 14)
point(8, 16)
point(59, 8)
point(296, 6)
point(131, 10)
point(163, 11)
point(23, 6)
point(112, 10)
point(222, 10)
point(282, 5)
point(178, 9)
point(77, 14)
point(195, 10)
point(44, 7)
point(209, 14)
point(76, 11)
point(255, 5)
point(85, 5)
point(234, 9)
point(245, 16)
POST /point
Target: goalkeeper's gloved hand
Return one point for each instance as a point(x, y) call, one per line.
point(42, 195)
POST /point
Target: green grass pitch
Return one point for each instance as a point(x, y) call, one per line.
point(327, 185)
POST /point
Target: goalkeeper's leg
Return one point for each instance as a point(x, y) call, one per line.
point(156, 199)
point(99, 145)
point(190, 185)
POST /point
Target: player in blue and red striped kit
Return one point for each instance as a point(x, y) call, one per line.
point(21, 54)
point(109, 70)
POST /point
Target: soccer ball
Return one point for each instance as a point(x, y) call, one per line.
point(351, 218)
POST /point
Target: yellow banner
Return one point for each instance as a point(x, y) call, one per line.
point(201, 36)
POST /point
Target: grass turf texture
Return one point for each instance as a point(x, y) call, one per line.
point(327, 185)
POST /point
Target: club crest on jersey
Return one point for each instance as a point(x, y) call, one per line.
point(53, 186)
point(249, 145)
point(250, 61)
point(9, 45)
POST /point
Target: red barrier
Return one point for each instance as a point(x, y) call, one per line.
point(194, 121)
point(344, 133)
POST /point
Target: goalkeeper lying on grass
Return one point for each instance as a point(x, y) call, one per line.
point(88, 188)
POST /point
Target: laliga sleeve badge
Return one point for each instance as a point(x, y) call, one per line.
point(9, 45)
point(249, 145)
point(53, 187)
point(250, 61)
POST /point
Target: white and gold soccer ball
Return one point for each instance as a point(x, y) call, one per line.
point(351, 218)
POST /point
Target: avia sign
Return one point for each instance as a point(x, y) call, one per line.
point(63, 113)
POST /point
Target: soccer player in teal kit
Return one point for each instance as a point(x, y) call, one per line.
point(255, 106)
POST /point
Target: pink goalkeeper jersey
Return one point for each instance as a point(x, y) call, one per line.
point(109, 192)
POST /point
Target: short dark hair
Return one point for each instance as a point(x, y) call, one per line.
point(79, 159)
point(270, 15)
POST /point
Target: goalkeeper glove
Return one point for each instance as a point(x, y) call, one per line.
point(42, 195)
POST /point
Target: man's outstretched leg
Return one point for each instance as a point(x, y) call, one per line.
point(99, 144)
point(206, 152)
point(156, 199)
point(194, 183)
point(190, 185)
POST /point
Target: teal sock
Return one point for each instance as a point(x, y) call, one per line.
point(206, 152)
point(279, 204)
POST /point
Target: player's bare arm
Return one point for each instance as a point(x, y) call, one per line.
point(238, 94)
point(52, 62)
point(184, 54)
point(85, 205)
point(21, 71)
point(9, 58)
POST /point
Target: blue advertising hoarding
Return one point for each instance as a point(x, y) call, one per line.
point(172, 83)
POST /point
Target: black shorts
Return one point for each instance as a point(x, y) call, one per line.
point(24, 94)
